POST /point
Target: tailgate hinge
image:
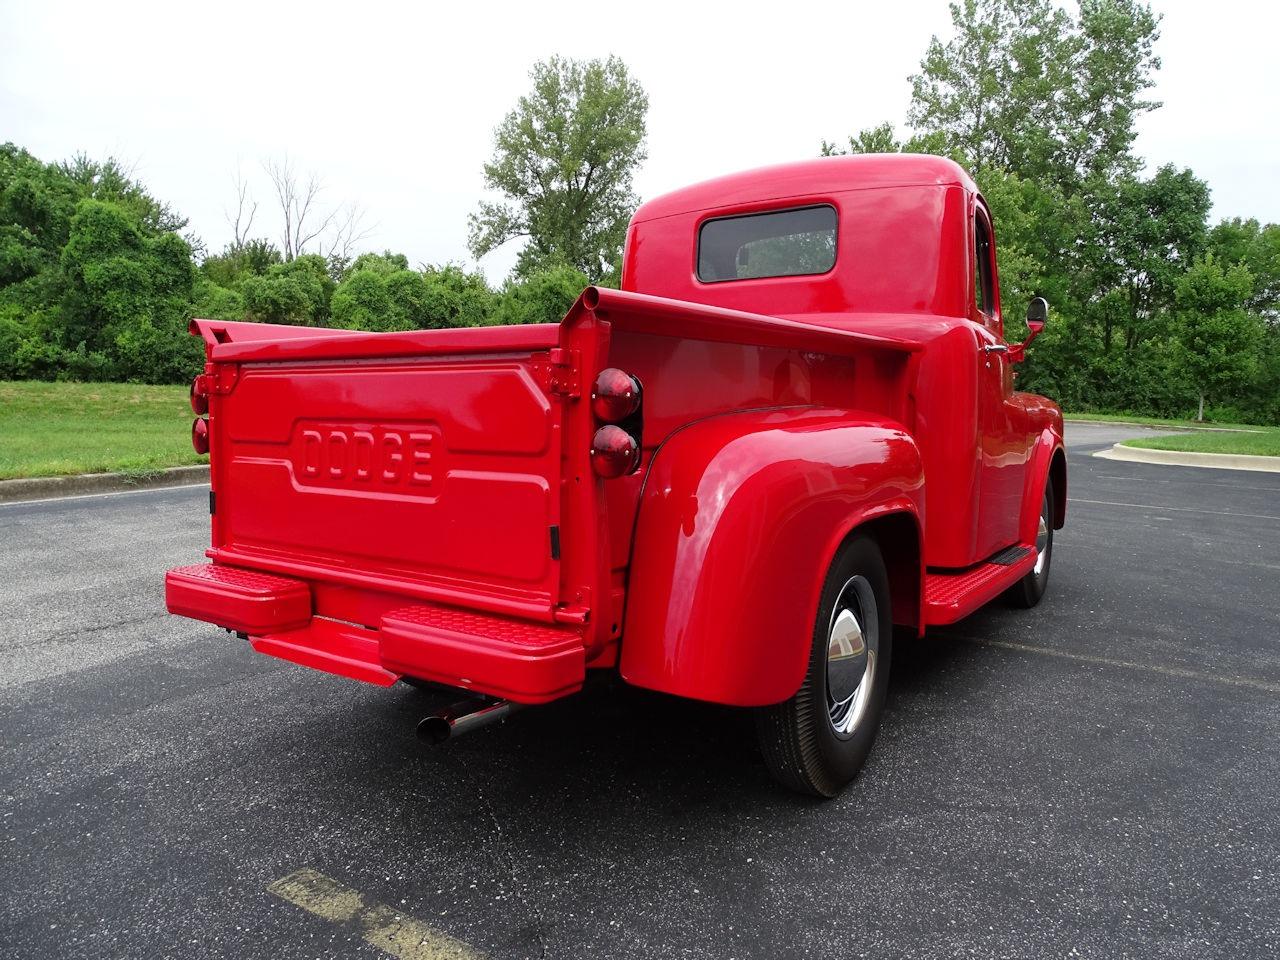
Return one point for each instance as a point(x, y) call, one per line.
point(572, 613)
point(221, 379)
point(565, 377)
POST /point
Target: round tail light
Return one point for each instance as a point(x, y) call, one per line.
point(200, 435)
point(615, 395)
point(614, 452)
point(200, 396)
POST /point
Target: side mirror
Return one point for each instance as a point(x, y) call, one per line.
point(1037, 317)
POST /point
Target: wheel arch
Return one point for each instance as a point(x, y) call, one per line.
point(739, 520)
point(900, 539)
point(1048, 461)
point(1058, 475)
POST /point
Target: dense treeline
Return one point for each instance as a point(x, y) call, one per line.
point(1155, 311)
point(97, 281)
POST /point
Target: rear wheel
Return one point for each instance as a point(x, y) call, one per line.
point(817, 741)
point(1026, 593)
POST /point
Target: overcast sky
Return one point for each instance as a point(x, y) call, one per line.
point(394, 104)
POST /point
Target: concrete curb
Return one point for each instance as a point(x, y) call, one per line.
point(38, 488)
point(1184, 458)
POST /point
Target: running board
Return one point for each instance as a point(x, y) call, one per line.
point(950, 595)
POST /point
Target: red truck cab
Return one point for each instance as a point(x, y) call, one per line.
point(789, 437)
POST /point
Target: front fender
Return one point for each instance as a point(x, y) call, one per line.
point(1048, 454)
point(739, 520)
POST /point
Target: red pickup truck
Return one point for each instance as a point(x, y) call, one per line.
point(790, 437)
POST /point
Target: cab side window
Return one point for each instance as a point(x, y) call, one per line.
point(983, 290)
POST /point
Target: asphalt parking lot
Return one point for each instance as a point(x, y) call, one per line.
point(1099, 777)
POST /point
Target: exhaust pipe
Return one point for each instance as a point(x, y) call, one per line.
point(463, 717)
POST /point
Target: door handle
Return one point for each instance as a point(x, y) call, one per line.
point(996, 348)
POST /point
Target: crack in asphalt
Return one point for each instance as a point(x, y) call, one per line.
point(77, 633)
point(1265, 686)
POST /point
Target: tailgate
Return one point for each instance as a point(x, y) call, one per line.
point(433, 472)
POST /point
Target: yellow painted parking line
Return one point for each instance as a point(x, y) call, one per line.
point(385, 928)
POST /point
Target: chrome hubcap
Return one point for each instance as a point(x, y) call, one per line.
point(852, 646)
point(1042, 538)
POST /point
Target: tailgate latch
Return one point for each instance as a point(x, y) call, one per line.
point(564, 379)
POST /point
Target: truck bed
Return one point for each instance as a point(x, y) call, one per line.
point(423, 504)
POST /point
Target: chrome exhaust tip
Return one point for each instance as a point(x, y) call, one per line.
point(459, 718)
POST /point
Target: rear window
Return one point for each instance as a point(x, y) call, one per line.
point(781, 243)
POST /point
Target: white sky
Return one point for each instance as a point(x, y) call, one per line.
point(394, 104)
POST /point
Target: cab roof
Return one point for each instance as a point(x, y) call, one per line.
point(808, 177)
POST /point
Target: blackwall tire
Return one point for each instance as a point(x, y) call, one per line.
point(817, 741)
point(1028, 591)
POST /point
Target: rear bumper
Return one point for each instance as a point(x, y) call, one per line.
point(499, 656)
point(240, 600)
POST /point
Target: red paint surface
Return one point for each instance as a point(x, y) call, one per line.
point(451, 470)
point(738, 521)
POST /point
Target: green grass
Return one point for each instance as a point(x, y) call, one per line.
point(1160, 422)
point(1260, 442)
point(1208, 437)
point(52, 429)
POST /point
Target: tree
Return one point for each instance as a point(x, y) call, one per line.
point(1143, 235)
point(297, 291)
point(969, 88)
point(385, 262)
point(302, 221)
point(1113, 59)
point(95, 283)
point(214, 302)
point(881, 139)
point(347, 230)
point(37, 202)
point(544, 296)
point(564, 160)
point(127, 296)
point(1217, 336)
point(1040, 105)
point(1021, 85)
point(362, 302)
point(380, 293)
point(250, 258)
point(109, 180)
point(1257, 247)
point(241, 222)
point(456, 298)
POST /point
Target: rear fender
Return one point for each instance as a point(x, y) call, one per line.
point(739, 520)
